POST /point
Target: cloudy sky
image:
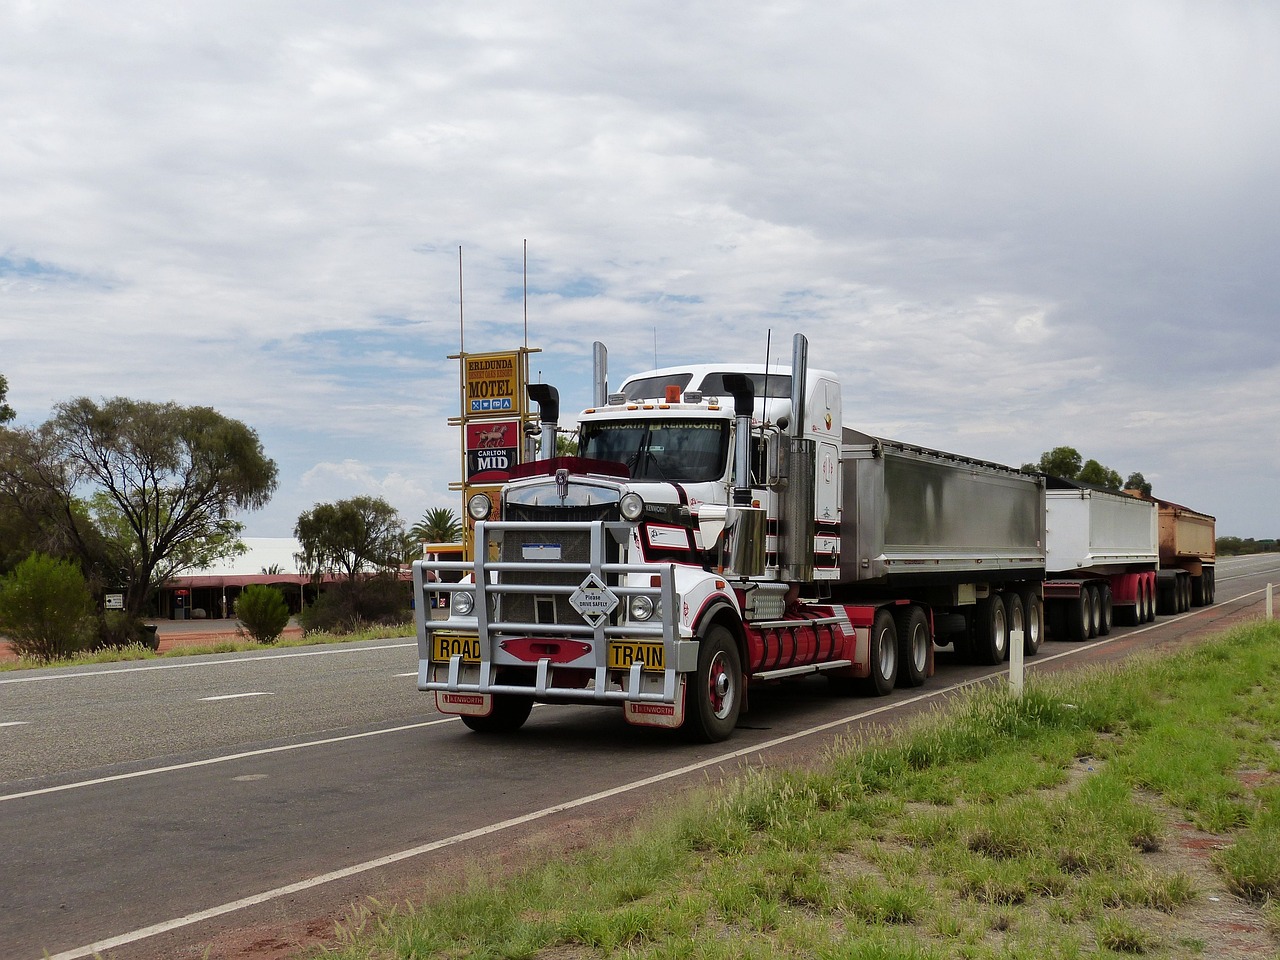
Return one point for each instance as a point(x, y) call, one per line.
point(1008, 225)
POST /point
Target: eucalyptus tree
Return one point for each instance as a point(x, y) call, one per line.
point(137, 491)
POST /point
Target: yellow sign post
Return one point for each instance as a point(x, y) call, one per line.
point(492, 389)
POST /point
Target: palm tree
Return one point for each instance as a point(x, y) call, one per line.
point(439, 525)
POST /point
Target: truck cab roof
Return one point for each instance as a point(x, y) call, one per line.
point(771, 382)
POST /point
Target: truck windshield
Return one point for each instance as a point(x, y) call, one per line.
point(680, 450)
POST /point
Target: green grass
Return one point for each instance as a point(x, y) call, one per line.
point(1040, 827)
point(135, 651)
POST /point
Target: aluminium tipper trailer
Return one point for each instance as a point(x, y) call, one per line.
point(918, 516)
point(1102, 557)
point(963, 536)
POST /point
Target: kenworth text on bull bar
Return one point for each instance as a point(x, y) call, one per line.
point(722, 529)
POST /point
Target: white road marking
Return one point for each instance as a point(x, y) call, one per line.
point(14, 723)
point(236, 696)
point(222, 661)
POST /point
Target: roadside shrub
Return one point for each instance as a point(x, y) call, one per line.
point(46, 608)
point(115, 628)
point(346, 606)
point(262, 612)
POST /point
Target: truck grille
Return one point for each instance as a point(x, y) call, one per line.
point(538, 513)
point(574, 547)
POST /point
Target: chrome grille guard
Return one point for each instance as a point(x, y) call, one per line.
point(491, 583)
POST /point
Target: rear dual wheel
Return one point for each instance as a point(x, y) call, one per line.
point(1033, 615)
point(914, 645)
point(1105, 609)
point(990, 631)
point(883, 655)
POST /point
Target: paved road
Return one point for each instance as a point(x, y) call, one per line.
point(144, 807)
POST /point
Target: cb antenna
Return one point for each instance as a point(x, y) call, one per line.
point(461, 344)
point(764, 388)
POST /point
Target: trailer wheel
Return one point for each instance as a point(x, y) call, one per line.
point(990, 631)
point(1197, 591)
point(1104, 610)
point(1078, 614)
point(1095, 611)
point(1149, 601)
point(1033, 615)
point(1186, 593)
point(1016, 618)
point(509, 714)
point(716, 688)
point(914, 644)
point(1211, 586)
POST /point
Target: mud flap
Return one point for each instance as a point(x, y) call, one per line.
point(649, 714)
point(464, 704)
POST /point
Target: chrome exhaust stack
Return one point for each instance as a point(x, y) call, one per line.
point(547, 398)
point(599, 374)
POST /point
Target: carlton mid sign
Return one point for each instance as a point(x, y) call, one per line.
point(492, 445)
point(492, 383)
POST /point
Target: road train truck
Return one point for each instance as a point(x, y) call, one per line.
point(720, 529)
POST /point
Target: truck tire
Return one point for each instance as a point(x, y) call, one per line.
point(1186, 592)
point(1095, 611)
point(1016, 618)
point(1033, 614)
point(883, 655)
point(716, 689)
point(1211, 586)
point(990, 631)
point(1077, 617)
point(1197, 591)
point(1105, 611)
point(1149, 604)
point(914, 645)
point(1167, 596)
point(508, 715)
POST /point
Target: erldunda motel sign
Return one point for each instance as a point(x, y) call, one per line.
point(494, 411)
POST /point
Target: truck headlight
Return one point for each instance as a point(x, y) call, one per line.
point(479, 506)
point(645, 608)
point(462, 603)
point(631, 506)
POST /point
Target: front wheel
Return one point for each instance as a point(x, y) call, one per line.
point(716, 689)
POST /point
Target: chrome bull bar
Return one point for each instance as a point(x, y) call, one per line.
point(492, 579)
